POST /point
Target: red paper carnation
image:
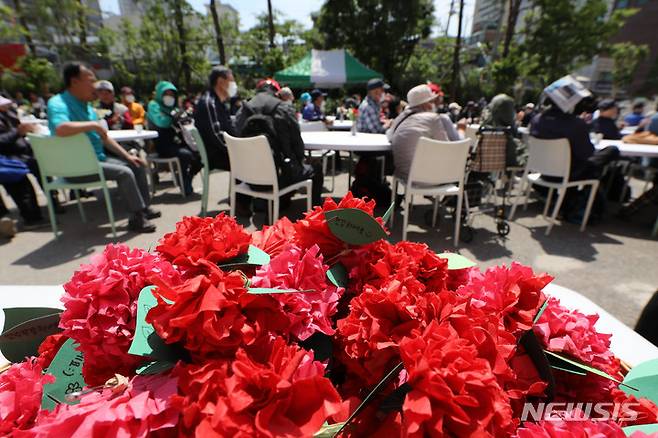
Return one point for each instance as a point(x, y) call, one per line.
point(21, 389)
point(100, 307)
point(49, 348)
point(275, 238)
point(144, 409)
point(557, 428)
point(308, 312)
point(454, 392)
point(646, 410)
point(215, 239)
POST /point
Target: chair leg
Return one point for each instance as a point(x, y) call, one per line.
point(407, 213)
point(654, 233)
point(458, 217)
point(435, 210)
point(270, 218)
point(153, 169)
point(527, 194)
point(556, 209)
point(181, 184)
point(80, 209)
point(394, 194)
point(516, 200)
point(51, 212)
point(588, 209)
point(275, 216)
point(333, 171)
point(110, 211)
point(232, 197)
point(204, 195)
point(309, 196)
point(548, 201)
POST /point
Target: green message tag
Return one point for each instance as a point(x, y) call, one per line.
point(644, 377)
point(28, 327)
point(337, 275)
point(456, 261)
point(646, 428)
point(253, 256)
point(146, 341)
point(67, 369)
point(389, 212)
point(354, 226)
point(565, 364)
point(540, 311)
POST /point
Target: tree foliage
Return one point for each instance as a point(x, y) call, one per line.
point(626, 56)
point(31, 74)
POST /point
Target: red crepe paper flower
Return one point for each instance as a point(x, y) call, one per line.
point(100, 307)
point(647, 411)
point(313, 229)
point(143, 409)
point(275, 238)
point(308, 312)
point(514, 293)
point(281, 394)
point(454, 392)
point(49, 348)
point(215, 239)
point(21, 389)
point(557, 428)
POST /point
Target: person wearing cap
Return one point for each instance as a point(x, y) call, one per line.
point(304, 99)
point(286, 95)
point(135, 109)
point(419, 119)
point(314, 110)
point(454, 109)
point(70, 113)
point(369, 111)
point(637, 115)
point(212, 115)
point(606, 122)
point(115, 114)
point(526, 115)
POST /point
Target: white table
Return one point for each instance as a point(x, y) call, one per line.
point(341, 125)
point(345, 141)
point(625, 343)
point(131, 135)
point(33, 121)
point(630, 149)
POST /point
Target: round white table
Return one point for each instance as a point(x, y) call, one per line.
point(131, 135)
point(345, 141)
point(341, 125)
point(630, 149)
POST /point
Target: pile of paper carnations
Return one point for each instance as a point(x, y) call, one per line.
point(319, 327)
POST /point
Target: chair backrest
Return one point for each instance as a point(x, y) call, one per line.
point(193, 133)
point(312, 126)
point(251, 160)
point(549, 157)
point(439, 162)
point(64, 156)
point(472, 133)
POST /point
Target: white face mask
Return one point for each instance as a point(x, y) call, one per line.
point(232, 89)
point(169, 101)
point(130, 98)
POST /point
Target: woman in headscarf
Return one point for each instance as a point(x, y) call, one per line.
point(161, 113)
point(501, 113)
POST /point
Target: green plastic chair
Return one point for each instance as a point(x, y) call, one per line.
point(201, 147)
point(64, 157)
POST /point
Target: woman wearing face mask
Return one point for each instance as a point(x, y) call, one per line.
point(136, 110)
point(168, 144)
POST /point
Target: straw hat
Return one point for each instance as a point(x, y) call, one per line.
point(419, 95)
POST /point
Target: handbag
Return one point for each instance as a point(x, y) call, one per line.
point(12, 171)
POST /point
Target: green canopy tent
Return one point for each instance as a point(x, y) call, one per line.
point(326, 69)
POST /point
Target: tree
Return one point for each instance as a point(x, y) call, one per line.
point(513, 8)
point(270, 23)
point(25, 31)
point(177, 6)
point(626, 57)
point(32, 74)
point(221, 51)
point(455, 57)
point(380, 33)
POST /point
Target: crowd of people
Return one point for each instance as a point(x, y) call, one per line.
point(92, 107)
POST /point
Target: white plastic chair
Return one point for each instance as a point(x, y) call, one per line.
point(472, 133)
point(438, 170)
point(252, 163)
point(323, 154)
point(175, 168)
point(552, 158)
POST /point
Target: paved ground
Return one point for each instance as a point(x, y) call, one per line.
point(613, 263)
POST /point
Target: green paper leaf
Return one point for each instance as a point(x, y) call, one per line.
point(646, 428)
point(271, 290)
point(146, 341)
point(18, 315)
point(456, 261)
point(644, 379)
point(155, 367)
point(566, 363)
point(254, 256)
point(328, 430)
point(337, 274)
point(66, 367)
point(540, 311)
point(569, 370)
point(23, 340)
point(354, 226)
point(389, 212)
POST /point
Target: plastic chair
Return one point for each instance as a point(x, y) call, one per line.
point(252, 163)
point(64, 157)
point(552, 158)
point(323, 154)
point(438, 170)
point(173, 163)
point(472, 133)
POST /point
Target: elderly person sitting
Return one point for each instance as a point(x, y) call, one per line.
point(419, 119)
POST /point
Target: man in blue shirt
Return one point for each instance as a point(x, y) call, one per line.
point(636, 117)
point(314, 110)
point(70, 113)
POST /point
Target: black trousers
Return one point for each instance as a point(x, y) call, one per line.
point(23, 194)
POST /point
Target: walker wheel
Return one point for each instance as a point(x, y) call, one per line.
point(503, 228)
point(466, 234)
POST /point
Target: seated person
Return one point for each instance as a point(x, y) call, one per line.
point(288, 146)
point(528, 113)
point(115, 114)
point(135, 109)
point(287, 96)
point(370, 119)
point(70, 113)
point(169, 144)
point(500, 113)
point(652, 126)
point(606, 122)
point(20, 189)
point(636, 116)
point(314, 110)
point(419, 119)
point(212, 117)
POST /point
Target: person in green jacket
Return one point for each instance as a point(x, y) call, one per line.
point(161, 114)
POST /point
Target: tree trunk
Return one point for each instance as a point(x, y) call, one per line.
point(82, 22)
point(218, 33)
point(512, 17)
point(450, 13)
point(182, 44)
point(455, 57)
point(21, 20)
point(499, 26)
point(270, 20)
